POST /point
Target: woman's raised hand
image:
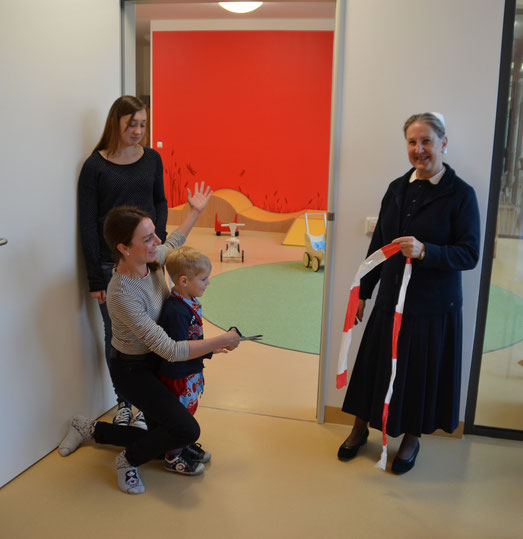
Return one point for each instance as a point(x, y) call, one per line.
point(410, 246)
point(201, 196)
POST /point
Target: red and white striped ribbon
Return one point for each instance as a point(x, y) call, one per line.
point(375, 259)
point(398, 315)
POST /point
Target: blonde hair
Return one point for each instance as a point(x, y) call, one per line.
point(186, 261)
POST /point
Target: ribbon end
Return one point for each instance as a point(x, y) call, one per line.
point(382, 463)
point(341, 380)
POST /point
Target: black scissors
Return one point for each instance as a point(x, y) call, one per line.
point(242, 338)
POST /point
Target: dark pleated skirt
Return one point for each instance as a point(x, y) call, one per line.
point(428, 374)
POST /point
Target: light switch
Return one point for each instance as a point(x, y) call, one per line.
point(370, 225)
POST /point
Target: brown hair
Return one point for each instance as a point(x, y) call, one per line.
point(127, 104)
point(119, 227)
point(186, 261)
point(427, 118)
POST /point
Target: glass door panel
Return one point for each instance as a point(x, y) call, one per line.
point(500, 392)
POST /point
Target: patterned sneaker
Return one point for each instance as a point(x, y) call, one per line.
point(197, 453)
point(139, 421)
point(123, 416)
point(183, 464)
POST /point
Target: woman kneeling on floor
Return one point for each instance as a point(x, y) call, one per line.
point(135, 297)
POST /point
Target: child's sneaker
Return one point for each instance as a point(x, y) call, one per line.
point(183, 464)
point(139, 421)
point(123, 416)
point(197, 453)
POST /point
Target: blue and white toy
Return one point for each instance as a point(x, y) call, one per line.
point(314, 245)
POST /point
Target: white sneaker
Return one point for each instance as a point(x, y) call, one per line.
point(123, 416)
point(139, 421)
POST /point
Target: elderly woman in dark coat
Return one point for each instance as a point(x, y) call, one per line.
point(433, 216)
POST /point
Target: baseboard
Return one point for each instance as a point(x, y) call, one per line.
point(335, 415)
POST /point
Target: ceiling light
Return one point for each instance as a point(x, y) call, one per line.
point(240, 7)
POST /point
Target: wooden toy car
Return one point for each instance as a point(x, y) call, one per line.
point(314, 245)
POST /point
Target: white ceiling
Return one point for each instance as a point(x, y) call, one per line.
point(172, 10)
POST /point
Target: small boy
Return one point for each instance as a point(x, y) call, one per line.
point(181, 319)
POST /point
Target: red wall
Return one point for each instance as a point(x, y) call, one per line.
point(245, 110)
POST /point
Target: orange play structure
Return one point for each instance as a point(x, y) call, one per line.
point(228, 203)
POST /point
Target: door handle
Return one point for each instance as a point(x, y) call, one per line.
point(3, 241)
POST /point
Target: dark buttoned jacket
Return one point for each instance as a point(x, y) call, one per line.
point(447, 222)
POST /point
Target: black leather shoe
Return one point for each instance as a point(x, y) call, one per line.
point(349, 452)
point(400, 466)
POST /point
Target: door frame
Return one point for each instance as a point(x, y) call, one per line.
point(128, 30)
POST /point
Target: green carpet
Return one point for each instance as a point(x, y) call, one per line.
point(283, 301)
point(504, 320)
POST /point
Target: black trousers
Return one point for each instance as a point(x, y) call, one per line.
point(107, 270)
point(170, 425)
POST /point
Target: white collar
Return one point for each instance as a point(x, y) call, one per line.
point(434, 180)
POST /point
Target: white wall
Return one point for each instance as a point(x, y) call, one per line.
point(61, 71)
point(401, 58)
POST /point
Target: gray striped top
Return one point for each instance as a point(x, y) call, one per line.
point(135, 305)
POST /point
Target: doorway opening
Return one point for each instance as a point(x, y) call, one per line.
point(258, 378)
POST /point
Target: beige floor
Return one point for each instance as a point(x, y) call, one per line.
point(274, 472)
point(259, 247)
point(263, 380)
point(273, 478)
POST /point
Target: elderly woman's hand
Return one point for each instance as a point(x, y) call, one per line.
point(410, 246)
point(201, 197)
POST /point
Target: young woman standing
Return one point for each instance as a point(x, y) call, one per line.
point(121, 170)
